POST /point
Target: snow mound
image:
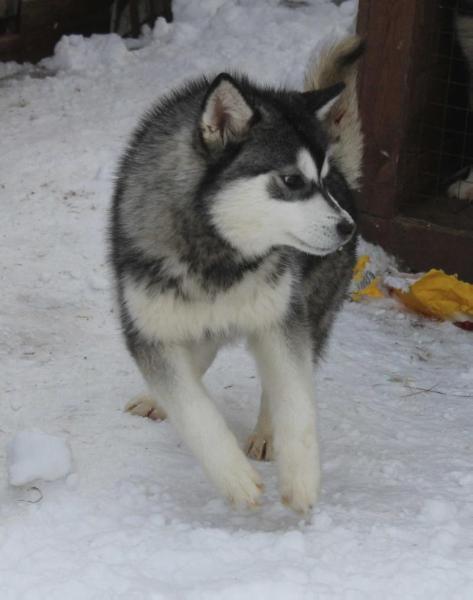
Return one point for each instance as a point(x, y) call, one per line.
point(35, 455)
point(76, 53)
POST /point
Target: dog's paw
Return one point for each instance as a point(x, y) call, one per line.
point(244, 491)
point(145, 406)
point(300, 485)
point(242, 485)
point(300, 493)
point(259, 446)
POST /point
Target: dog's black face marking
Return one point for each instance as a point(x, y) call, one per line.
point(281, 123)
point(272, 144)
point(293, 182)
point(280, 191)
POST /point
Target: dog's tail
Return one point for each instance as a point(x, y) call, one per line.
point(336, 62)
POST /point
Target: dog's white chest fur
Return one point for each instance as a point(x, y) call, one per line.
point(252, 304)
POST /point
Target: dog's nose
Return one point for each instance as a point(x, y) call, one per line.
point(346, 228)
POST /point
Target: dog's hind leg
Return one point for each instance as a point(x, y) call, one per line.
point(259, 445)
point(145, 405)
point(284, 359)
point(173, 374)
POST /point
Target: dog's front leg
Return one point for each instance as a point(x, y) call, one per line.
point(146, 405)
point(173, 374)
point(284, 360)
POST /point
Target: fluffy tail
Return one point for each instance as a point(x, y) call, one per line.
point(338, 61)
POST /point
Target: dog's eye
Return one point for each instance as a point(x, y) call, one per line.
point(293, 182)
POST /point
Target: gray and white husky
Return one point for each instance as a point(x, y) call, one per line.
point(233, 216)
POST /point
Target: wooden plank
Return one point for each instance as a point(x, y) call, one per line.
point(421, 245)
point(10, 46)
point(43, 23)
point(393, 32)
point(395, 80)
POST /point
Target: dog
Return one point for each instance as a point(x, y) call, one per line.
point(233, 217)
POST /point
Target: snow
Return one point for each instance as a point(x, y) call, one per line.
point(34, 455)
point(137, 519)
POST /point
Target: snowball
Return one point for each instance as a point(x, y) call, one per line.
point(35, 455)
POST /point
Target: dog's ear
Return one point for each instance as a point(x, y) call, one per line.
point(321, 101)
point(226, 114)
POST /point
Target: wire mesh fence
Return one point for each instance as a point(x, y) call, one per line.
point(439, 186)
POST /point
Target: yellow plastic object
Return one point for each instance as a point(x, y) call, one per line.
point(359, 268)
point(372, 290)
point(440, 296)
point(368, 284)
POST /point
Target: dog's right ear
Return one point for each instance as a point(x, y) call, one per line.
point(226, 114)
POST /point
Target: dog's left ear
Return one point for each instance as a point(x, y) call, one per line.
point(321, 101)
point(226, 114)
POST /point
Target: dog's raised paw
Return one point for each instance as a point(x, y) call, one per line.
point(145, 406)
point(259, 446)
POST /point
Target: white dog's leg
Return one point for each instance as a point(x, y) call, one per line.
point(174, 376)
point(145, 405)
point(285, 367)
point(259, 445)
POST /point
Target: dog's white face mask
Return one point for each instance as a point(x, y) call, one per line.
point(258, 213)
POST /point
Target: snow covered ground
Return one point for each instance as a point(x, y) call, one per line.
point(136, 519)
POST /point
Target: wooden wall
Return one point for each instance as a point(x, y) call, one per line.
point(392, 87)
point(43, 22)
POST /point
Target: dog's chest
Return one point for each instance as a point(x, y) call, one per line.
point(254, 303)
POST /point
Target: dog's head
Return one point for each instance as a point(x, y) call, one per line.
point(269, 178)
